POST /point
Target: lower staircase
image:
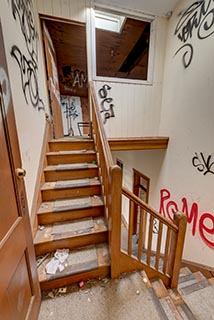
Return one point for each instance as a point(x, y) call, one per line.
point(193, 299)
point(71, 241)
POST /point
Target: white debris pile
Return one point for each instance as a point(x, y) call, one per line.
point(58, 262)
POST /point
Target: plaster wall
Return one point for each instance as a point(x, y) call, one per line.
point(29, 107)
point(182, 177)
point(187, 118)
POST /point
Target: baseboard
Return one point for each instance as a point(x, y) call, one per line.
point(198, 266)
point(37, 199)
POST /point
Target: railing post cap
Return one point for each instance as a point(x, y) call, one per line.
point(180, 216)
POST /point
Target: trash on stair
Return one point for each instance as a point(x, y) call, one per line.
point(81, 284)
point(57, 262)
point(138, 292)
point(145, 280)
point(51, 295)
point(105, 280)
point(41, 227)
point(44, 205)
point(62, 290)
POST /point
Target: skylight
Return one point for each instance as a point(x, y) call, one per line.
point(109, 21)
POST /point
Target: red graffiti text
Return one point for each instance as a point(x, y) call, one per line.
point(203, 223)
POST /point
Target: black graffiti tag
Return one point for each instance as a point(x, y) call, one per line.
point(22, 11)
point(202, 164)
point(73, 78)
point(198, 17)
point(108, 111)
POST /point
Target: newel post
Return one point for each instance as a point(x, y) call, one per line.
point(115, 219)
point(180, 219)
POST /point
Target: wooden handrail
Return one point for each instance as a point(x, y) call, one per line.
point(149, 209)
point(111, 178)
point(163, 261)
point(101, 130)
point(165, 264)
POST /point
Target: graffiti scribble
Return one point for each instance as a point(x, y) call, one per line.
point(71, 112)
point(28, 63)
point(103, 94)
point(201, 223)
point(198, 17)
point(72, 78)
point(203, 164)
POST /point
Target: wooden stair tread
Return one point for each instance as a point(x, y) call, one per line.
point(71, 275)
point(68, 167)
point(190, 279)
point(68, 184)
point(48, 233)
point(71, 204)
point(72, 139)
point(70, 152)
point(159, 288)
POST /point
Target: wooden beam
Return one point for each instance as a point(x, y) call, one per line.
point(138, 143)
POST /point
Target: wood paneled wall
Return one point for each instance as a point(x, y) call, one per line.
point(137, 107)
point(67, 9)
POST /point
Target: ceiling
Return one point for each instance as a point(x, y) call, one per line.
point(156, 7)
point(70, 45)
point(125, 54)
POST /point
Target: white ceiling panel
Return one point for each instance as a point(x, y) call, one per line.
point(156, 7)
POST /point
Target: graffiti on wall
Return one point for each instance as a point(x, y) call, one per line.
point(204, 164)
point(71, 114)
point(22, 11)
point(72, 78)
point(106, 102)
point(198, 18)
point(200, 223)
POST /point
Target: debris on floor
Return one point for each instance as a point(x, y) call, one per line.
point(81, 284)
point(58, 262)
point(40, 228)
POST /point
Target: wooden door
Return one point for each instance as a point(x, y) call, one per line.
point(53, 83)
point(19, 286)
point(141, 190)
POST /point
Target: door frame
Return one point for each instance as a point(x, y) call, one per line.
point(137, 175)
point(43, 18)
point(22, 221)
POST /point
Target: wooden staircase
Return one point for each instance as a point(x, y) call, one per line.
point(71, 215)
point(193, 299)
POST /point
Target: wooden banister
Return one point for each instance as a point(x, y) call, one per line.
point(111, 178)
point(180, 219)
point(165, 260)
point(159, 255)
point(149, 209)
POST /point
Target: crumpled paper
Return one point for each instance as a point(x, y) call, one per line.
point(57, 262)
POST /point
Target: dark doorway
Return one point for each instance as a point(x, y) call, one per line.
point(141, 189)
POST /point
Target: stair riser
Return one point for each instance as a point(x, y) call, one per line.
point(57, 194)
point(71, 243)
point(68, 175)
point(70, 159)
point(49, 218)
point(63, 282)
point(73, 145)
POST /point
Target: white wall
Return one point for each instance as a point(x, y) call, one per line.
point(29, 120)
point(148, 162)
point(187, 118)
point(187, 115)
point(137, 106)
